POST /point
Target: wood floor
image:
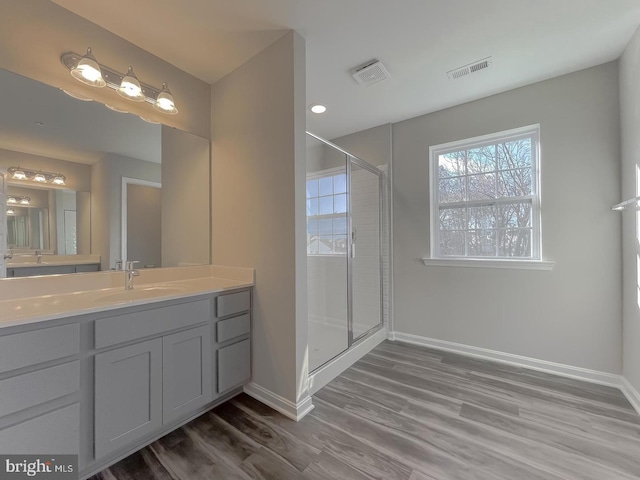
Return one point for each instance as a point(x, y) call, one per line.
point(409, 413)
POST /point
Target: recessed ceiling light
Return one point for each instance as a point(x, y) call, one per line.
point(317, 108)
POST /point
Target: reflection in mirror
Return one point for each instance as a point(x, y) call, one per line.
point(95, 148)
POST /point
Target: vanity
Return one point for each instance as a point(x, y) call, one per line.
point(104, 371)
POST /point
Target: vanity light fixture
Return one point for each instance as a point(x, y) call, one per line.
point(11, 211)
point(317, 108)
point(87, 70)
point(18, 173)
point(18, 199)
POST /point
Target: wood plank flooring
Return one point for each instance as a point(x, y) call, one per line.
point(410, 413)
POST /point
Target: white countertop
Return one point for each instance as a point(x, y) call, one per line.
point(61, 304)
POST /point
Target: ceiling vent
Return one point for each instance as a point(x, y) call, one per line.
point(370, 73)
point(469, 69)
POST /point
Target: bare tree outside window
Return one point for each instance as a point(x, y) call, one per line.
point(486, 199)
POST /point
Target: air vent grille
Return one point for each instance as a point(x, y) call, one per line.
point(469, 69)
point(370, 73)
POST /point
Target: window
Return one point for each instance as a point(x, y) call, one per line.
point(327, 214)
point(485, 197)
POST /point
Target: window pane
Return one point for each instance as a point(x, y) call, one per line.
point(312, 188)
point(325, 244)
point(483, 217)
point(340, 203)
point(325, 226)
point(515, 243)
point(340, 183)
point(340, 244)
point(340, 225)
point(312, 227)
point(515, 183)
point(480, 160)
point(451, 243)
point(453, 218)
point(481, 243)
point(312, 245)
point(326, 205)
point(312, 207)
point(482, 186)
point(451, 164)
point(514, 154)
point(514, 215)
point(451, 190)
point(326, 186)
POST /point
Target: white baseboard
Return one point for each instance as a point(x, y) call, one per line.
point(631, 393)
point(331, 370)
point(569, 371)
point(294, 411)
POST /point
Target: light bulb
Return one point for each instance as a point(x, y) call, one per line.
point(25, 201)
point(59, 180)
point(164, 102)
point(11, 211)
point(39, 178)
point(318, 108)
point(12, 200)
point(88, 71)
point(130, 87)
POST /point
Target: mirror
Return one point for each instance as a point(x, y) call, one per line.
point(114, 203)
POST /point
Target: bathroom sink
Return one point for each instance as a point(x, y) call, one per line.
point(141, 293)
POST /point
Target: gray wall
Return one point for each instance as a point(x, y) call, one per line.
point(144, 231)
point(630, 126)
point(571, 315)
point(185, 199)
point(258, 203)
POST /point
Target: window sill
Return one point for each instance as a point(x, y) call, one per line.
point(489, 263)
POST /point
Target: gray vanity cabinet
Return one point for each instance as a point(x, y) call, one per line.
point(128, 395)
point(186, 372)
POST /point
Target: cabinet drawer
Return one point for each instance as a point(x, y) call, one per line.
point(140, 324)
point(233, 303)
point(234, 365)
point(56, 433)
point(30, 389)
point(30, 348)
point(233, 327)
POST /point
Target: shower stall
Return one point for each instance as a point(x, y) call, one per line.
point(345, 216)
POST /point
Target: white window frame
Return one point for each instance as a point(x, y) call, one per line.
point(535, 261)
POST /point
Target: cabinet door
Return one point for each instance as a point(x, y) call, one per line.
point(234, 365)
point(128, 395)
point(186, 372)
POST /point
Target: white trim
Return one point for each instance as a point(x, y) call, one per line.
point(578, 373)
point(631, 393)
point(339, 364)
point(294, 411)
point(489, 263)
point(123, 210)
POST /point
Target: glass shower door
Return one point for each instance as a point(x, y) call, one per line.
point(365, 249)
point(327, 247)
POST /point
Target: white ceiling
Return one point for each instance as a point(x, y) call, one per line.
point(41, 120)
point(417, 40)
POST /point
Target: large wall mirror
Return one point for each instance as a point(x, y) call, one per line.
point(133, 190)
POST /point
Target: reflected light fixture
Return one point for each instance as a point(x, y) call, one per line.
point(164, 102)
point(12, 200)
point(11, 211)
point(130, 87)
point(88, 71)
point(317, 108)
point(18, 173)
point(18, 199)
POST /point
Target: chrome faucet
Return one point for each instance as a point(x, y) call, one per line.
point(38, 256)
point(9, 256)
point(129, 273)
point(118, 265)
